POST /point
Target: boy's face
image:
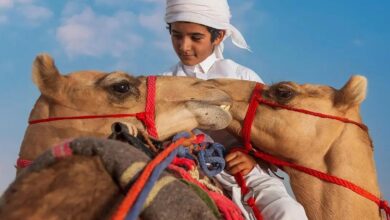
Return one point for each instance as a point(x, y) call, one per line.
point(192, 42)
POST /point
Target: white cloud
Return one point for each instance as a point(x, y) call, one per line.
point(94, 35)
point(73, 7)
point(24, 1)
point(27, 10)
point(35, 14)
point(160, 2)
point(126, 2)
point(154, 22)
point(6, 4)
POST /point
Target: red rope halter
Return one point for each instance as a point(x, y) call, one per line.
point(255, 100)
point(147, 117)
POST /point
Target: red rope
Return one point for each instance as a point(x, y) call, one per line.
point(186, 163)
point(246, 132)
point(384, 205)
point(150, 107)
point(250, 114)
point(229, 210)
point(321, 115)
point(244, 191)
point(147, 117)
point(255, 100)
point(320, 175)
point(37, 121)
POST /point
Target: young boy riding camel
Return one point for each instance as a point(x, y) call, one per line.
point(198, 29)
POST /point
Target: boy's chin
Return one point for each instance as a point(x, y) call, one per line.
point(189, 62)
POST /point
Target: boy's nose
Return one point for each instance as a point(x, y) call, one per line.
point(185, 44)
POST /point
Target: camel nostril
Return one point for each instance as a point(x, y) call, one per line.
point(118, 127)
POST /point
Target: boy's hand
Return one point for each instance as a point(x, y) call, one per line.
point(239, 162)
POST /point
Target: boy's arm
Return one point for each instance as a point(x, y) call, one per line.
point(269, 192)
point(272, 198)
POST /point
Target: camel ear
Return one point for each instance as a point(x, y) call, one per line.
point(353, 92)
point(45, 74)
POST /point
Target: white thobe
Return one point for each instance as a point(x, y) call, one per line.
point(269, 192)
point(212, 68)
point(270, 195)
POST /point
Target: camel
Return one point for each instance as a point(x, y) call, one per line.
point(341, 149)
point(318, 143)
point(95, 93)
point(79, 187)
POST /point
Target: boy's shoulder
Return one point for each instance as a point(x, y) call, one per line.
point(241, 71)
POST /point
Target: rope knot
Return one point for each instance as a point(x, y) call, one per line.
point(383, 204)
point(251, 202)
point(140, 116)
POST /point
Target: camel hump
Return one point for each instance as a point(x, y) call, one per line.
point(353, 92)
point(45, 73)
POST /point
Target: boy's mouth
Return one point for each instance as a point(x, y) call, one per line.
point(186, 55)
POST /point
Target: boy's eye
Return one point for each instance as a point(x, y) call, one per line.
point(196, 38)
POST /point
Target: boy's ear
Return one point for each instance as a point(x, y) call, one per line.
point(220, 37)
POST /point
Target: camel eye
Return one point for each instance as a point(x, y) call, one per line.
point(121, 87)
point(284, 93)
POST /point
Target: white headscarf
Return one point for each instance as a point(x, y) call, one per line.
point(211, 13)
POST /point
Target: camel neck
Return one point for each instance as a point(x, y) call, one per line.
point(351, 158)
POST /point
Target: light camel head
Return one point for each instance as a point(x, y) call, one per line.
point(293, 135)
point(341, 149)
point(181, 103)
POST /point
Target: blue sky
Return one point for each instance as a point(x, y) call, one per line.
point(322, 42)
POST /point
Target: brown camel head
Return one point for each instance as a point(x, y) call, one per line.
point(181, 104)
point(293, 135)
point(340, 149)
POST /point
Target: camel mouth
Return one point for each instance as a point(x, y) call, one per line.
point(213, 116)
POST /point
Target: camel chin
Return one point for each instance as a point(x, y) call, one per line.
point(213, 117)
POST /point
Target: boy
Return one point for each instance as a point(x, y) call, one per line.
point(198, 28)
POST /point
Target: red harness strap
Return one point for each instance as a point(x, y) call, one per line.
point(147, 117)
point(246, 132)
point(244, 191)
point(257, 99)
point(250, 115)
